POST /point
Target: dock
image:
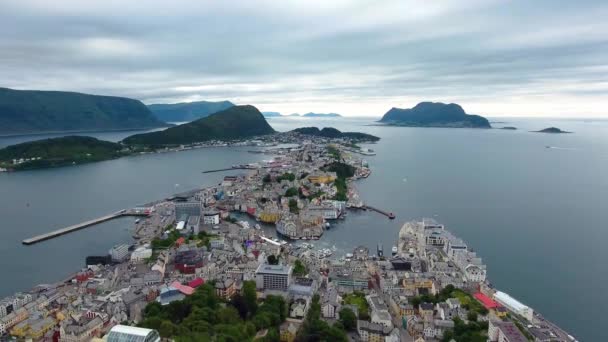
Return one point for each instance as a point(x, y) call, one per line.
point(79, 226)
point(380, 211)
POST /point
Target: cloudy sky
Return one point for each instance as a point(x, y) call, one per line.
point(496, 58)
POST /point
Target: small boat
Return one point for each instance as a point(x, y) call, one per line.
point(394, 250)
point(257, 226)
point(137, 221)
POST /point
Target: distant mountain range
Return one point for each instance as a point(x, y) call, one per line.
point(434, 114)
point(235, 122)
point(35, 111)
point(307, 115)
point(187, 111)
point(330, 132)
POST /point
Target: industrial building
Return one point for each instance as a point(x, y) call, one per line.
point(273, 277)
point(514, 305)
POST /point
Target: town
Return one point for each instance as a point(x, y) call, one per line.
point(238, 261)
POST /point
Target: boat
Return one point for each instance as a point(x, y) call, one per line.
point(137, 221)
point(257, 226)
point(327, 225)
point(394, 250)
point(380, 250)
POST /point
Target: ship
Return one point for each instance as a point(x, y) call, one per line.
point(380, 250)
point(394, 250)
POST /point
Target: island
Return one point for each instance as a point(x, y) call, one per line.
point(509, 128)
point(236, 122)
point(188, 111)
point(333, 133)
point(551, 130)
point(56, 152)
point(434, 114)
point(34, 111)
point(322, 115)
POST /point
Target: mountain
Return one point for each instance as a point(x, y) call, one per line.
point(58, 152)
point(236, 122)
point(188, 111)
point(322, 115)
point(330, 132)
point(434, 114)
point(293, 114)
point(553, 130)
point(35, 111)
point(271, 114)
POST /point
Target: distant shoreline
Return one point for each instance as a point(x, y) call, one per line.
point(24, 134)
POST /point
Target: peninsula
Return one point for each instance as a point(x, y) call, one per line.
point(552, 130)
point(434, 114)
point(236, 122)
point(56, 152)
point(187, 111)
point(35, 111)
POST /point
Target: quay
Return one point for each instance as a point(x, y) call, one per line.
point(379, 211)
point(75, 227)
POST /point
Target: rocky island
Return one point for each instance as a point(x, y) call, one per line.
point(551, 130)
point(434, 114)
point(35, 111)
point(509, 128)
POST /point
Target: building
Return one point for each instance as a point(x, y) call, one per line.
point(514, 305)
point(225, 288)
point(273, 277)
point(119, 253)
point(503, 331)
point(169, 294)
point(372, 332)
point(322, 177)
point(80, 331)
point(122, 333)
point(186, 209)
point(330, 305)
point(193, 224)
point(12, 319)
point(211, 217)
point(140, 254)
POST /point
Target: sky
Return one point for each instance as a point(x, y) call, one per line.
point(357, 58)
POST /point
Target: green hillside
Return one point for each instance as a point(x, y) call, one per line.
point(233, 123)
point(33, 111)
point(188, 111)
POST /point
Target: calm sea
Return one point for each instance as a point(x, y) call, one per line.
point(536, 215)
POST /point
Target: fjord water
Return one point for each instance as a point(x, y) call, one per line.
point(536, 215)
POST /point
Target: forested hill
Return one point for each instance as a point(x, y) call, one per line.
point(35, 111)
point(236, 122)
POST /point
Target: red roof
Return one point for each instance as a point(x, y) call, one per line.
point(180, 241)
point(187, 290)
point(196, 282)
point(485, 300)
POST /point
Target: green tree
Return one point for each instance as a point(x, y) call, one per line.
point(299, 269)
point(272, 259)
point(291, 192)
point(348, 319)
point(250, 295)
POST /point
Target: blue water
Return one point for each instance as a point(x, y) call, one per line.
point(536, 215)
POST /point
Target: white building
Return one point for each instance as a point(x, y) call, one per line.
point(514, 305)
point(273, 277)
point(119, 252)
point(121, 333)
point(141, 253)
point(211, 217)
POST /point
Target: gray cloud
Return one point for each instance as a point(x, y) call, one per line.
point(353, 57)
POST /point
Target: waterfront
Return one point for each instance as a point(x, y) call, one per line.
point(533, 213)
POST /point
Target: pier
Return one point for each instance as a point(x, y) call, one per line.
point(79, 226)
point(380, 211)
point(229, 169)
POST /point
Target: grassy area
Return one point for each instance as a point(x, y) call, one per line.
point(467, 301)
point(358, 299)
